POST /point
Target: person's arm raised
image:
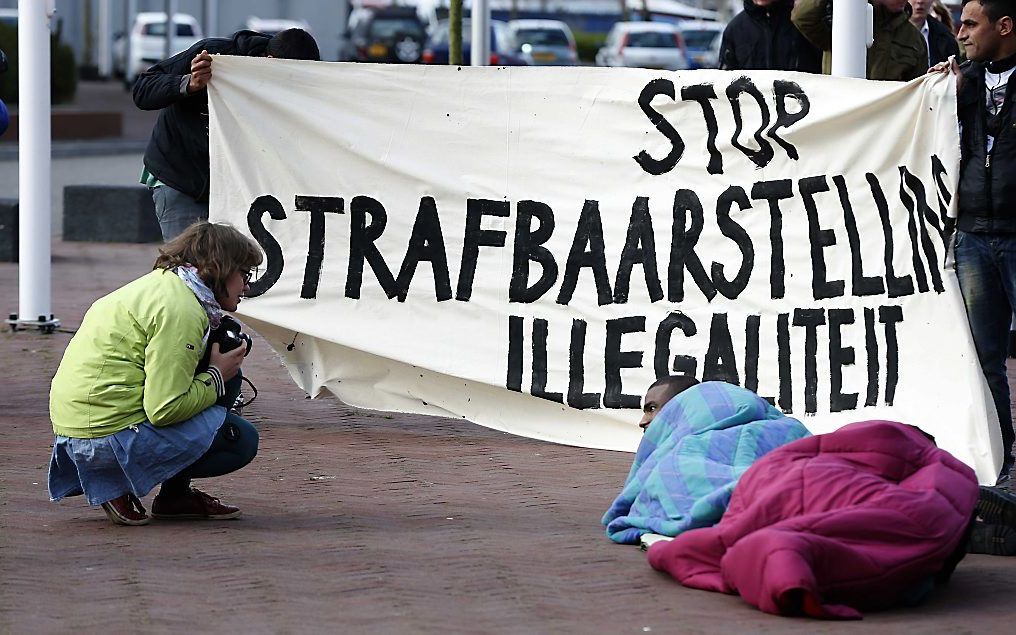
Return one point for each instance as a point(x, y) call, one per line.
point(168, 81)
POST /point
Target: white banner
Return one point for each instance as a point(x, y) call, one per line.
point(529, 248)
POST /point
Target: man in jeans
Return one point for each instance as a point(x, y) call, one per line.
point(986, 227)
point(176, 160)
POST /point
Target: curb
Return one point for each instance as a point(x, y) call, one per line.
point(69, 149)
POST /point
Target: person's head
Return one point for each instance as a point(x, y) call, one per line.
point(942, 13)
point(921, 8)
point(986, 29)
point(660, 392)
point(293, 44)
point(222, 255)
point(893, 6)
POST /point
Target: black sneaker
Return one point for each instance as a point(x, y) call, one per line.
point(996, 505)
point(1005, 477)
point(995, 540)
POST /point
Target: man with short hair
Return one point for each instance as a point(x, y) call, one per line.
point(176, 160)
point(660, 392)
point(939, 39)
point(898, 51)
point(986, 226)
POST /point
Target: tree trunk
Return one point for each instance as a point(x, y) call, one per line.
point(455, 33)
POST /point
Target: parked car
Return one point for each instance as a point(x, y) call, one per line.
point(504, 51)
point(148, 42)
point(545, 42)
point(271, 26)
point(9, 17)
point(387, 34)
point(644, 45)
point(702, 42)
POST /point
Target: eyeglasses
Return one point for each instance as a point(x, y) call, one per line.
point(247, 276)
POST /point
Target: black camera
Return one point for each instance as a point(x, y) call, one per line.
point(228, 336)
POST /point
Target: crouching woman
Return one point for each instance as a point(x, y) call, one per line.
point(130, 406)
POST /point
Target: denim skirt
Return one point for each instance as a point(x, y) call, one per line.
point(131, 461)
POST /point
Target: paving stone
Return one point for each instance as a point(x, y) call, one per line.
point(361, 522)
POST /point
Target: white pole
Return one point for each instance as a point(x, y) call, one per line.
point(170, 9)
point(129, 71)
point(479, 52)
point(850, 30)
point(105, 40)
point(211, 18)
point(34, 163)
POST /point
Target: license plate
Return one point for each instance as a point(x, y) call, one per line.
point(377, 50)
point(544, 57)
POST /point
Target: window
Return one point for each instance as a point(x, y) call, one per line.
point(159, 29)
point(652, 40)
point(386, 28)
point(542, 37)
point(699, 39)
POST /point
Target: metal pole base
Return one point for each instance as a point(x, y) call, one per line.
point(44, 325)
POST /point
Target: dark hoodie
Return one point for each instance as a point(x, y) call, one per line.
point(763, 38)
point(177, 153)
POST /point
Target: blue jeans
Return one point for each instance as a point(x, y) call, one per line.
point(986, 267)
point(176, 211)
point(234, 446)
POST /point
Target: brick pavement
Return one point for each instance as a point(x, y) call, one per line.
point(359, 522)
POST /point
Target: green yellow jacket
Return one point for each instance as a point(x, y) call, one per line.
point(898, 52)
point(133, 359)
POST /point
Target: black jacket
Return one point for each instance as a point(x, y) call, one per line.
point(941, 42)
point(987, 189)
point(763, 38)
point(177, 153)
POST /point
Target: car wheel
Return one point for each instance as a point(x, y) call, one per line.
point(408, 49)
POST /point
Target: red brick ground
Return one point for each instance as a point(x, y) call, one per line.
point(358, 522)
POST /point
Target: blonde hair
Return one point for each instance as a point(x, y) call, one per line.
point(215, 249)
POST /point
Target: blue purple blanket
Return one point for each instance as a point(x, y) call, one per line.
point(691, 457)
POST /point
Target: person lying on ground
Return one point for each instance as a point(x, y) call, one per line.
point(129, 405)
point(691, 455)
point(869, 516)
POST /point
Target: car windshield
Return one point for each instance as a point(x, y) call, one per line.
point(159, 28)
point(542, 37)
point(390, 27)
point(500, 38)
point(652, 40)
point(699, 39)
